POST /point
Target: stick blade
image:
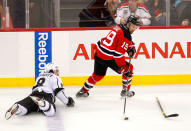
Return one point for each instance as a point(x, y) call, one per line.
point(172, 115)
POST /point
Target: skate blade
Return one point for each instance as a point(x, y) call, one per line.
point(11, 111)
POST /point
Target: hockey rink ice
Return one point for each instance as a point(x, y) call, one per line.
point(103, 110)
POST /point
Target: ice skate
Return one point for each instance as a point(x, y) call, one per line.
point(11, 111)
point(82, 93)
point(126, 93)
point(38, 101)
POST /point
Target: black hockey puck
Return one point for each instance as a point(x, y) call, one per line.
point(126, 118)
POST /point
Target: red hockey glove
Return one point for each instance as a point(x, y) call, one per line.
point(126, 71)
point(131, 51)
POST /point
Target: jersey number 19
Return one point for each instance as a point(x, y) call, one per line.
point(110, 37)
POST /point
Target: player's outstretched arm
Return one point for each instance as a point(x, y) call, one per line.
point(64, 99)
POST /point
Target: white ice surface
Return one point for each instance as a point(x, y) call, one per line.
point(103, 110)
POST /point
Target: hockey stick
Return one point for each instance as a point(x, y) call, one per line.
point(125, 117)
point(124, 109)
point(165, 116)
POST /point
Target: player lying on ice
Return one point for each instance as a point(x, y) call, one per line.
point(110, 53)
point(48, 85)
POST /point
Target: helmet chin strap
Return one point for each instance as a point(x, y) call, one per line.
point(129, 24)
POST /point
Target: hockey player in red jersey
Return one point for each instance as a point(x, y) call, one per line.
point(110, 53)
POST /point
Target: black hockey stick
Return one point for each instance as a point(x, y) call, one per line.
point(165, 116)
point(124, 109)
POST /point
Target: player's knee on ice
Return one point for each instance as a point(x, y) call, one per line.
point(50, 112)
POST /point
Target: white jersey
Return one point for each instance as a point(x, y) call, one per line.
point(50, 83)
point(141, 12)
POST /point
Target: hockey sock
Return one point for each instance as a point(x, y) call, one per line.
point(126, 82)
point(21, 110)
point(92, 80)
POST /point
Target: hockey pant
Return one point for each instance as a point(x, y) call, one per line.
point(100, 69)
point(27, 105)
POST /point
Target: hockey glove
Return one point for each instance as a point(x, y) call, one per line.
point(126, 71)
point(71, 102)
point(131, 51)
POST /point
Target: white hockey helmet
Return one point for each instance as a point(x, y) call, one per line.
point(51, 68)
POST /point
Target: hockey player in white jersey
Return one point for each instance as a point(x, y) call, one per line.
point(132, 7)
point(48, 85)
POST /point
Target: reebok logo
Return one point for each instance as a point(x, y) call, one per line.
point(43, 51)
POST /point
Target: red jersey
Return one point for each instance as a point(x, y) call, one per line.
point(115, 45)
